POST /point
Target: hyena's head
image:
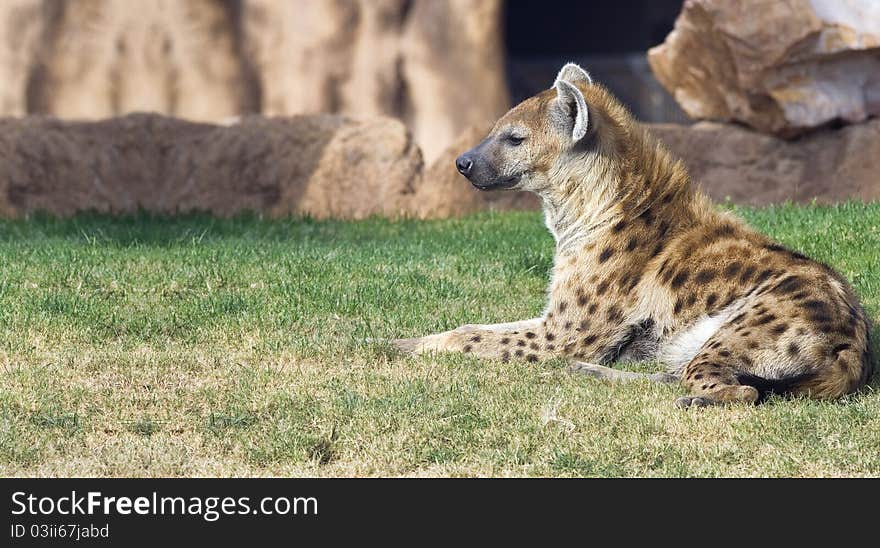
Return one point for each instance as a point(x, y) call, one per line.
point(534, 146)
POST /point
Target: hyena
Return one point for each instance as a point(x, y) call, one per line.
point(646, 267)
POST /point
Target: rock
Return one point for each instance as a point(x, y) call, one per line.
point(443, 192)
point(323, 166)
point(780, 67)
point(748, 167)
point(438, 65)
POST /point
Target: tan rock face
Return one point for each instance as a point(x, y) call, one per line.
point(780, 67)
point(417, 60)
point(748, 167)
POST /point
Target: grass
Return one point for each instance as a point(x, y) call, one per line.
point(195, 346)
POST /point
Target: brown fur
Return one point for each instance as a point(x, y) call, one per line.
point(643, 258)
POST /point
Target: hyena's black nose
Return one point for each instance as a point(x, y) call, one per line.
point(464, 165)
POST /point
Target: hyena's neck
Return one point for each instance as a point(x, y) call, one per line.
point(645, 181)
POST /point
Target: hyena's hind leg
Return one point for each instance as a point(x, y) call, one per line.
point(525, 340)
point(714, 379)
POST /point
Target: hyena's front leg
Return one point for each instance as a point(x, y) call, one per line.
point(515, 340)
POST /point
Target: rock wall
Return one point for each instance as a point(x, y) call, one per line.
point(780, 67)
point(211, 60)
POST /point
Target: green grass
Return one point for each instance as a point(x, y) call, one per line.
point(196, 346)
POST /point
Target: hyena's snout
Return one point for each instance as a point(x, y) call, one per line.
point(478, 165)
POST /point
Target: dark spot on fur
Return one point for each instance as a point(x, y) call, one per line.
point(605, 255)
point(747, 274)
point(753, 345)
point(530, 335)
point(589, 340)
point(631, 244)
point(738, 318)
point(698, 376)
point(816, 305)
point(765, 319)
point(518, 353)
point(847, 331)
point(793, 349)
point(705, 276)
point(505, 356)
point(746, 333)
point(647, 216)
point(732, 270)
point(520, 342)
point(711, 299)
point(656, 251)
point(567, 325)
point(691, 300)
point(618, 227)
point(601, 288)
point(582, 300)
point(614, 314)
point(779, 329)
point(764, 275)
point(505, 340)
point(584, 325)
point(679, 279)
point(467, 348)
point(531, 358)
point(820, 318)
point(789, 284)
point(549, 336)
point(713, 385)
point(562, 306)
point(592, 308)
point(678, 306)
point(534, 346)
point(550, 347)
point(476, 338)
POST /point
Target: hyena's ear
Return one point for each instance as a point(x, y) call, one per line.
point(573, 107)
point(573, 73)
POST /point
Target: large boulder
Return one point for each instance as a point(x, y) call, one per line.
point(747, 167)
point(780, 67)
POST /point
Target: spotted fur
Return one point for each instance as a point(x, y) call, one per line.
point(645, 261)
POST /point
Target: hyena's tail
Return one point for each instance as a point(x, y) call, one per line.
point(765, 387)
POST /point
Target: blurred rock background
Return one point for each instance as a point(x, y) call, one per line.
point(348, 108)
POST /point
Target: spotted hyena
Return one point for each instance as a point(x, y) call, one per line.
point(647, 268)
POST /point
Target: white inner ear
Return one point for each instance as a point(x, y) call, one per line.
point(569, 95)
point(572, 72)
